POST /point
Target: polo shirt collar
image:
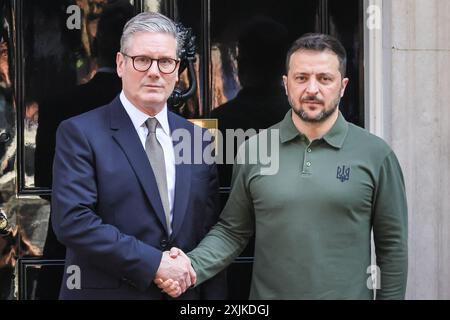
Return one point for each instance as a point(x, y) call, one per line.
point(335, 137)
point(288, 131)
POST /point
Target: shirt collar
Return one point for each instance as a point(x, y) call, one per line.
point(288, 131)
point(138, 117)
point(334, 137)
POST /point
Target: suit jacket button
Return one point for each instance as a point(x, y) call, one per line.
point(163, 243)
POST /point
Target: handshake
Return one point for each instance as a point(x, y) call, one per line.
point(175, 274)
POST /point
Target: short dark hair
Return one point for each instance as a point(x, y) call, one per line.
point(319, 42)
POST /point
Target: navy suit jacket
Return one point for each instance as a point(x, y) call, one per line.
point(107, 211)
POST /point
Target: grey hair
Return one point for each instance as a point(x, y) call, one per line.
point(150, 22)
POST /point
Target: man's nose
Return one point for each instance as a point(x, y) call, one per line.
point(312, 87)
point(153, 70)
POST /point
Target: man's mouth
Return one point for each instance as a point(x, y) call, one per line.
point(312, 102)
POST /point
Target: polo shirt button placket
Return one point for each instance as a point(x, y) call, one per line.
point(307, 164)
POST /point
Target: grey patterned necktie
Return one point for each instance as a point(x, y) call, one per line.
point(155, 155)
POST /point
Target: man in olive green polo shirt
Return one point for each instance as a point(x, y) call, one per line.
point(313, 218)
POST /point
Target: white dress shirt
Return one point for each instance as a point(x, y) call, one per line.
point(162, 135)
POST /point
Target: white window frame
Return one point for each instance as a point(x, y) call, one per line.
point(377, 68)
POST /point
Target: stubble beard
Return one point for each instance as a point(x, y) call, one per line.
point(321, 117)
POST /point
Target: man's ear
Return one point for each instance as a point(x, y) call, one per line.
point(120, 64)
point(344, 85)
point(177, 72)
point(285, 82)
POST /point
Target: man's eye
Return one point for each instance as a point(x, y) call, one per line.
point(165, 61)
point(142, 60)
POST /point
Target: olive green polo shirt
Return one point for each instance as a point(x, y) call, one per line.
point(313, 219)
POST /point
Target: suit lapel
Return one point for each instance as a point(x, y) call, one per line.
point(182, 179)
point(125, 135)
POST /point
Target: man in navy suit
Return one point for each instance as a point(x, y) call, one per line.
point(120, 196)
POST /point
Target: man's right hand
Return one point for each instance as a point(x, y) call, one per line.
point(175, 273)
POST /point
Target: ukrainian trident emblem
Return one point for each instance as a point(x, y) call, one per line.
point(343, 173)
